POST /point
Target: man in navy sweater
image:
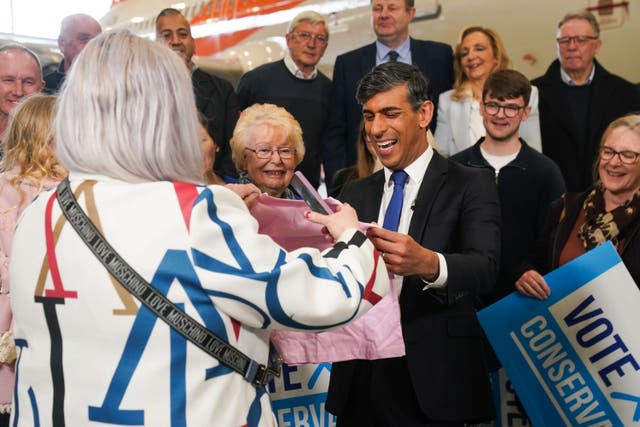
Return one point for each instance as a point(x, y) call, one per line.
point(295, 84)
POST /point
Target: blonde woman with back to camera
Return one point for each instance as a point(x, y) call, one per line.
point(89, 350)
point(479, 53)
point(29, 166)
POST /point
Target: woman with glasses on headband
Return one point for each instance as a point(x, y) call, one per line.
point(479, 53)
point(266, 148)
point(579, 222)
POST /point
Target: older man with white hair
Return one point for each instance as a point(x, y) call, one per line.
point(75, 32)
point(296, 84)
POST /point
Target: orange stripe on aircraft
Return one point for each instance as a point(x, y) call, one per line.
point(223, 10)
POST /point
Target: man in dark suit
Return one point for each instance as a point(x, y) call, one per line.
point(215, 98)
point(446, 247)
point(391, 20)
point(578, 100)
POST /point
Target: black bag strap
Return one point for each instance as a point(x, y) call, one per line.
point(252, 371)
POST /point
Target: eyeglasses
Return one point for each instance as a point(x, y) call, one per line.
point(510, 110)
point(580, 40)
point(306, 37)
point(627, 157)
point(267, 152)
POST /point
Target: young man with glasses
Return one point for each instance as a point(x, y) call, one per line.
point(296, 84)
point(578, 100)
point(527, 180)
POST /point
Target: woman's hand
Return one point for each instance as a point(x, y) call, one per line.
point(533, 285)
point(247, 192)
point(344, 218)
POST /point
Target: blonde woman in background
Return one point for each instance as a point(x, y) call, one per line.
point(479, 53)
point(28, 167)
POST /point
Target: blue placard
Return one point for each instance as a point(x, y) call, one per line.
point(573, 358)
point(299, 394)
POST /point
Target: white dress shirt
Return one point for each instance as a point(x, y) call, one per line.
point(416, 171)
point(293, 69)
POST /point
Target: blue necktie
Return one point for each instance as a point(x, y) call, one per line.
point(392, 215)
point(393, 56)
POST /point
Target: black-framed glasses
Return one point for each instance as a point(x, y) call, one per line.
point(306, 37)
point(267, 152)
point(510, 110)
point(579, 40)
point(627, 157)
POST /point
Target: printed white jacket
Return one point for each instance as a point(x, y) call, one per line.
point(89, 354)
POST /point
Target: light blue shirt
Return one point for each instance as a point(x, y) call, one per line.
point(404, 52)
point(566, 79)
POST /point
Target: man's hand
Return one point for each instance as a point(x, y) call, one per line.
point(403, 255)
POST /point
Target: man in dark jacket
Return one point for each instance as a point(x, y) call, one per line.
point(215, 97)
point(527, 181)
point(390, 19)
point(75, 32)
point(578, 100)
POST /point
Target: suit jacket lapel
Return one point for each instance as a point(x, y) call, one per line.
point(368, 59)
point(596, 115)
point(418, 58)
point(434, 178)
point(373, 198)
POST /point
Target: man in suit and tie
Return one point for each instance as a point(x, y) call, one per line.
point(441, 233)
point(390, 20)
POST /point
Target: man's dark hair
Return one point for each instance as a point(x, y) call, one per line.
point(507, 84)
point(387, 76)
point(168, 12)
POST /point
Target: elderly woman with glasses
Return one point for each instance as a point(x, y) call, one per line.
point(610, 211)
point(266, 148)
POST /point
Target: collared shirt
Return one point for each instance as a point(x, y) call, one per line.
point(416, 172)
point(404, 52)
point(293, 69)
point(566, 79)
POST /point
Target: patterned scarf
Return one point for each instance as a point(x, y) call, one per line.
point(600, 226)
